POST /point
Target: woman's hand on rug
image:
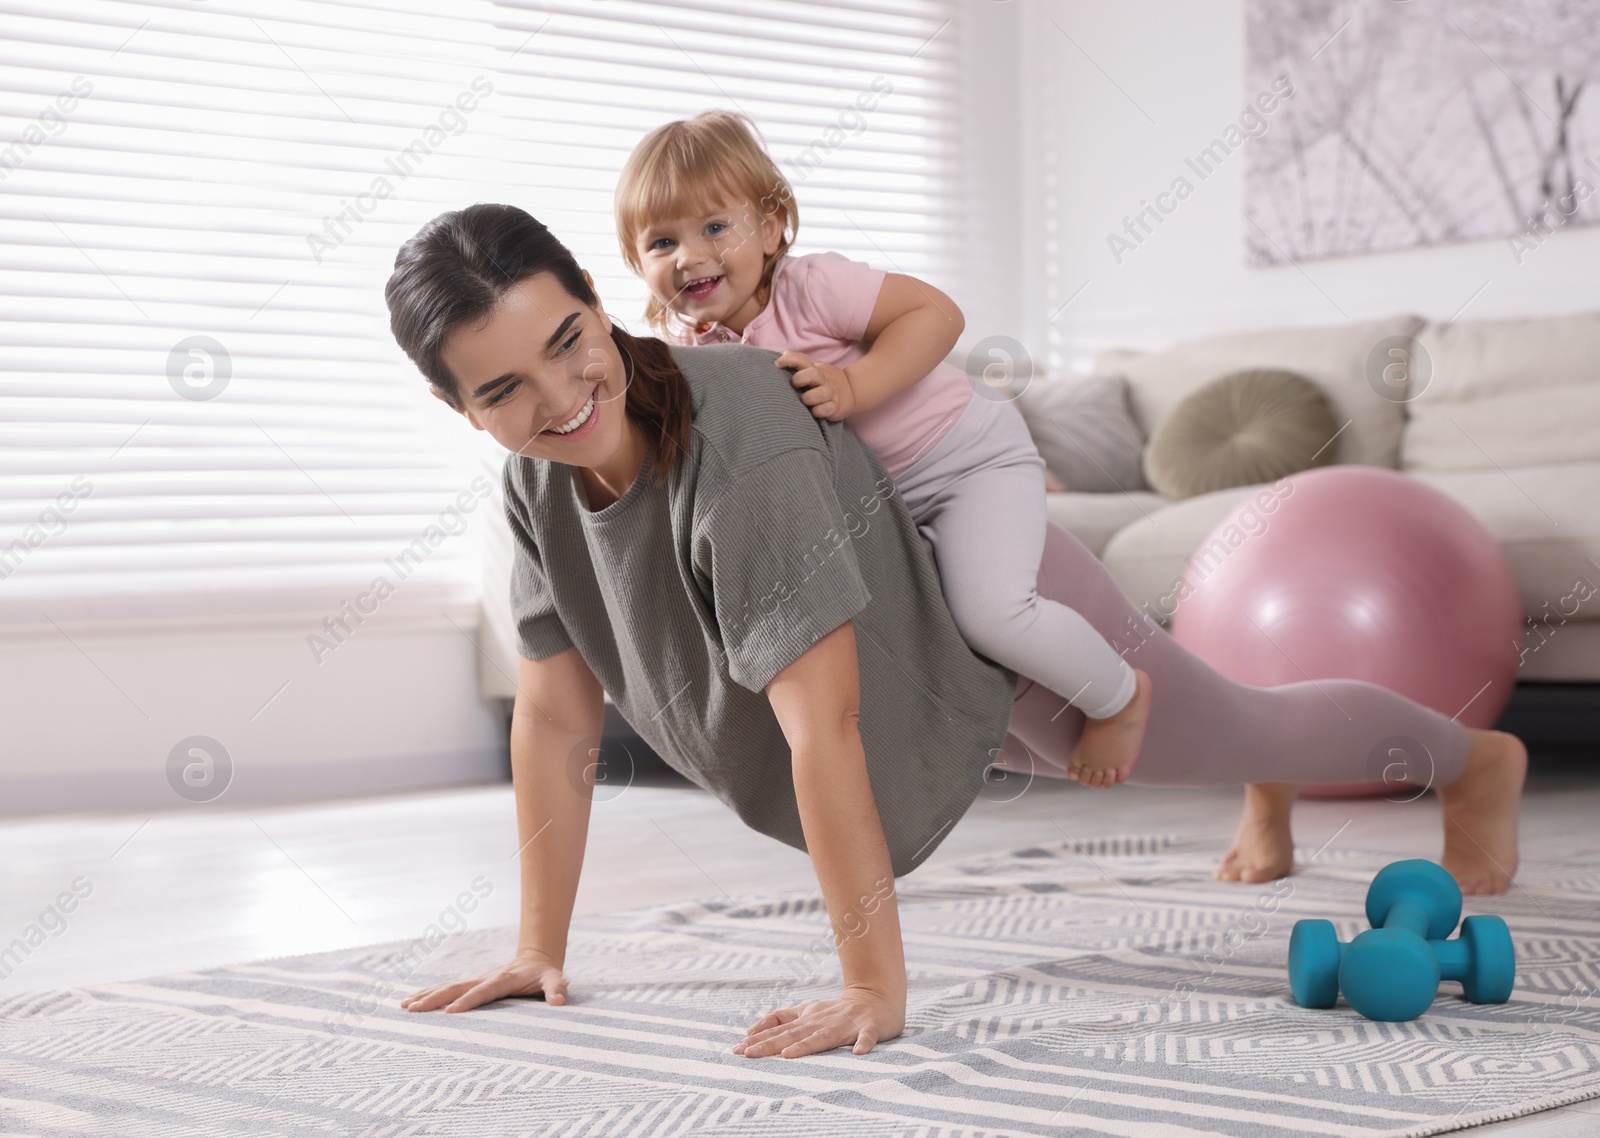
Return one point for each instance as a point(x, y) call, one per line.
point(860, 1016)
point(527, 975)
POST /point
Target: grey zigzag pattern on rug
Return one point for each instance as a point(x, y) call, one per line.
point(1109, 987)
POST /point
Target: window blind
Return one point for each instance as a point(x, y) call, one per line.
point(205, 414)
point(857, 104)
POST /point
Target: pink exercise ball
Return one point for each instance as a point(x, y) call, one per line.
point(1362, 573)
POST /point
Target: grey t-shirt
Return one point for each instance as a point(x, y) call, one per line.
point(686, 599)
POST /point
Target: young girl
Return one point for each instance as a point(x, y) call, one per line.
point(706, 218)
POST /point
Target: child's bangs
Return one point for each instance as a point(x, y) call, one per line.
point(682, 182)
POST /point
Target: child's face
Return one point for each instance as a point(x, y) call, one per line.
point(707, 267)
point(539, 360)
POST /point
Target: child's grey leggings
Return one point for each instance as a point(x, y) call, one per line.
point(978, 496)
point(1207, 730)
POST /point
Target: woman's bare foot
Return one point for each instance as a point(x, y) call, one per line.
point(1263, 849)
point(1108, 747)
point(1480, 813)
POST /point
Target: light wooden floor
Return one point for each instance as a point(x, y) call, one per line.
point(212, 885)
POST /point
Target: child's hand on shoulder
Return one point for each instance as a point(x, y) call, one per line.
point(823, 388)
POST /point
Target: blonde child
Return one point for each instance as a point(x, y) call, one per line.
point(706, 219)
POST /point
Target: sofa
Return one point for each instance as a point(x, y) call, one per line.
point(1501, 415)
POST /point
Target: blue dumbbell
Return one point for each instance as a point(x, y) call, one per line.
point(1392, 971)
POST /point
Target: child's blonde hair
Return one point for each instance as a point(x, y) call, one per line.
point(678, 170)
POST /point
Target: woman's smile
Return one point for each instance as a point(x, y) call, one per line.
point(579, 425)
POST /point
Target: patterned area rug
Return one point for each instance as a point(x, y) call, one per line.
point(1102, 988)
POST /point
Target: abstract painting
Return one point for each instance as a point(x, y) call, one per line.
point(1419, 122)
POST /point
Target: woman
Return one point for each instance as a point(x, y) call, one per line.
point(746, 584)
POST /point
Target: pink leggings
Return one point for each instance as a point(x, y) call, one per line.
point(1207, 730)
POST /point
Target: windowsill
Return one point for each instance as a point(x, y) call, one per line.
point(454, 607)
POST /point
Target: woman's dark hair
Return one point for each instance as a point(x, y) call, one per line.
point(455, 270)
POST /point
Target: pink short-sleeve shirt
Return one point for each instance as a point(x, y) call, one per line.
point(820, 305)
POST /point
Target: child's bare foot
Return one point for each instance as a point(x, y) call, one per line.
point(1108, 747)
point(1480, 813)
point(1263, 848)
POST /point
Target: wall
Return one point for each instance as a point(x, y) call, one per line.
point(92, 709)
point(990, 287)
point(92, 716)
point(1117, 95)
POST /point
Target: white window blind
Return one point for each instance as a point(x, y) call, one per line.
point(185, 195)
point(857, 103)
point(204, 412)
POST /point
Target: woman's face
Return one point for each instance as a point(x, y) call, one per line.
point(542, 374)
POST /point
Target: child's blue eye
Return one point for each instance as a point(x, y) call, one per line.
point(658, 242)
point(714, 227)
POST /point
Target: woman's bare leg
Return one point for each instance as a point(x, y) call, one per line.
point(1263, 847)
point(1480, 813)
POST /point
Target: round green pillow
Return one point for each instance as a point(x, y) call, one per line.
point(1245, 428)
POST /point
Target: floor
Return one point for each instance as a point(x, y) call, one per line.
point(207, 886)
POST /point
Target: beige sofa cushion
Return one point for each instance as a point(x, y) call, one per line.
point(1148, 556)
point(1571, 655)
point(1334, 357)
point(1545, 520)
point(1094, 518)
point(1513, 393)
